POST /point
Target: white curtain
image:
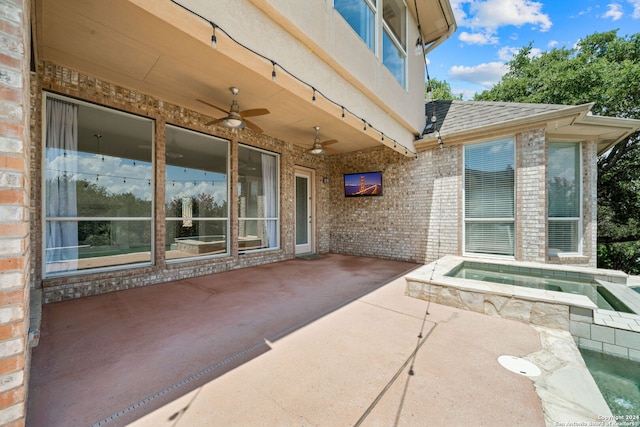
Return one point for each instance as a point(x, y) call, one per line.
point(270, 189)
point(61, 168)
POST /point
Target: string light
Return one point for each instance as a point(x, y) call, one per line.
point(214, 39)
point(273, 63)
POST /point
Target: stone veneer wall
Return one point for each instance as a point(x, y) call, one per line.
point(14, 210)
point(61, 80)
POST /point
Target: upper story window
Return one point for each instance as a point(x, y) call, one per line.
point(98, 189)
point(489, 197)
point(364, 18)
point(564, 198)
point(360, 14)
point(394, 40)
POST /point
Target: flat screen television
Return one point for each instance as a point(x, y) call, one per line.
point(363, 184)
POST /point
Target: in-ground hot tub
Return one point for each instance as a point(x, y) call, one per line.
point(536, 278)
point(533, 304)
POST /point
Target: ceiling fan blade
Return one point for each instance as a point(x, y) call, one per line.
point(214, 122)
point(253, 126)
point(330, 150)
point(329, 142)
point(213, 106)
point(254, 112)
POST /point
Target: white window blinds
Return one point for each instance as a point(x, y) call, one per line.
point(563, 192)
point(489, 184)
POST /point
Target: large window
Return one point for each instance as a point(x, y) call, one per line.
point(195, 194)
point(392, 24)
point(98, 188)
point(563, 190)
point(258, 201)
point(489, 209)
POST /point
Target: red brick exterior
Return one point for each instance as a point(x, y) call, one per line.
point(14, 210)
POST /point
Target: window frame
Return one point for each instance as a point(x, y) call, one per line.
point(580, 202)
point(497, 220)
point(44, 219)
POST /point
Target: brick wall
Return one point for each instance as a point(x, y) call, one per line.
point(531, 194)
point(416, 219)
point(589, 202)
point(420, 216)
point(14, 210)
point(59, 79)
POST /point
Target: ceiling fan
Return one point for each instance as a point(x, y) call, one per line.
point(318, 147)
point(236, 119)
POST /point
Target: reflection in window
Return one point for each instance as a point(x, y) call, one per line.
point(258, 201)
point(195, 194)
point(360, 15)
point(563, 190)
point(489, 185)
point(98, 188)
point(394, 41)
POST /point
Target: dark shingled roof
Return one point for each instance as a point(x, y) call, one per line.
point(458, 116)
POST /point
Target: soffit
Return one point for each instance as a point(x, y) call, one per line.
point(138, 48)
point(436, 20)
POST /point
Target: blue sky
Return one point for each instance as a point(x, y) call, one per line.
point(490, 31)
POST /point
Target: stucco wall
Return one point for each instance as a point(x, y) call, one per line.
point(311, 39)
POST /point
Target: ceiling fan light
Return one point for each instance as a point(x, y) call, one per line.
point(232, 122)
point(317, 149)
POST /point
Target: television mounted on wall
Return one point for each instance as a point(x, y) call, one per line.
point(363, 184)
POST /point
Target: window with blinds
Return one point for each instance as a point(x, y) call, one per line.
point(489, 196)
point(563, 193)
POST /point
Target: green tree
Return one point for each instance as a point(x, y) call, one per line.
point(441, 90)
point(603, 68)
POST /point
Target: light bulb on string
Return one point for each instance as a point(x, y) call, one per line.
point(214, 39)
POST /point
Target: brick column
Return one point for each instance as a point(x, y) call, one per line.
point(531, 196)
point(14, 210)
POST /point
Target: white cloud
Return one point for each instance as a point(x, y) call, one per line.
point(506, 53)
point(552, 43)
point(485, 17)
point(582, 12)
point(492, 14)
point(614, 12)
point(486, 74)
point(477, 38)
point(636, 8)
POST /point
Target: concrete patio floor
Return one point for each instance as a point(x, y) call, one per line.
point(348, 367)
